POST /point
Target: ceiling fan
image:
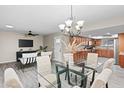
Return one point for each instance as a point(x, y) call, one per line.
point(31, 34)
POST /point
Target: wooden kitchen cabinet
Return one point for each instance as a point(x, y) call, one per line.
point(80, 55)
point(97, 42)
point(121, 61)
point(108, 53)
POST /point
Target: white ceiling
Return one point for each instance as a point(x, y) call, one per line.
point(43, 19)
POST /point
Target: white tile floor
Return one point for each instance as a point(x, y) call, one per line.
point(117, 79)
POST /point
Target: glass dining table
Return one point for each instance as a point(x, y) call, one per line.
point(66, 75)
point(67, 69)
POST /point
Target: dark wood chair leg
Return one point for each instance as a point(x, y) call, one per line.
point(39, 84)
point(106, 85)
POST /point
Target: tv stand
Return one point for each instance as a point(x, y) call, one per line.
point(19, 54)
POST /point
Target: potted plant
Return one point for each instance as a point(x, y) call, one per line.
point(41, 48)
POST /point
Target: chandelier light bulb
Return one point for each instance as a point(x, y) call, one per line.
point(62, 27)
point(68, 23)
point(80, 23)
point(77, 28)
point(67, 29)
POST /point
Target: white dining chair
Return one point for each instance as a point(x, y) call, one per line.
point(107, 64)
point(101, 81)
point(90, 64)
point(45, 76)
point(11, 79)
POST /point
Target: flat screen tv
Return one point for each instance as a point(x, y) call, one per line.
point(25, 43)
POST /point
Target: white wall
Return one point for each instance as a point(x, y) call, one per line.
point(9, 45)
point(49, 39)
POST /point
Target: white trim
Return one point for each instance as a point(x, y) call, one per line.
point(10, 61)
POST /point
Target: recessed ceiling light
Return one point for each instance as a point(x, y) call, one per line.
point(9, 26)
point(108, 33)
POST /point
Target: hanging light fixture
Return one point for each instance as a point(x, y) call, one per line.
point(71, 27)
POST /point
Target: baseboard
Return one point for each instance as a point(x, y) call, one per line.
point(10, 61)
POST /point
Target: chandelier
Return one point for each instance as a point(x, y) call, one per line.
point(70, 27)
